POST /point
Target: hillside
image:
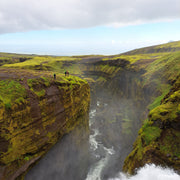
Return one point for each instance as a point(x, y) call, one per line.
point(168, 47)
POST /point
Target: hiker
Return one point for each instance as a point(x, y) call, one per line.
point(54, 76)
point(66, 73)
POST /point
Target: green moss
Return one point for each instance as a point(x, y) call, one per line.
point(38, 85)
point(136, 154)
point(167, 67)
point(46, 81)
point(107, 69)
point(101, 80)
point(40, 93)
point(137, 57)
point(163, 48)
point(7, 106)
point(170, 143)
point(168, 110)
point(157, 113)
point(139, 149)
point(150, 133)
point(27, 158)
point(175, 97)
point(164, 88)
point(11, 92)
point(45, 63)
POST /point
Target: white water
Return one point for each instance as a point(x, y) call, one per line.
point(96, 169)
point(92, 140)
point(150, 172)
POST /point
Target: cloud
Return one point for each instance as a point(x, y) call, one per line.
point(26, 15)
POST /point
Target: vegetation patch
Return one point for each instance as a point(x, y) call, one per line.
point(11, 92)
point(150, 133)
point(168, 47)
point(170, 143)
point(137, 57)
point(165, 89)
point(165, 68)
point(46, 63)
point(168, 110)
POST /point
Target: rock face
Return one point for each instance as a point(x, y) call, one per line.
point(34, 115)
point(159, 137)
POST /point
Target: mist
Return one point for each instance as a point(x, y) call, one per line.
point(117, 111)
point(69, 156)
point(149, 172)
point(114, 121)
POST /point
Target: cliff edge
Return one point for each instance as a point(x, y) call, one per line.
point(35, 112)
point(159, 137)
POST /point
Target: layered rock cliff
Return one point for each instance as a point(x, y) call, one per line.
point(34, 114)
point(159, 137)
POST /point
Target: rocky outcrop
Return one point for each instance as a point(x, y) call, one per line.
point(34, 115)
point(159, 137)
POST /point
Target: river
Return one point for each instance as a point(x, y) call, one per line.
point(97, 155)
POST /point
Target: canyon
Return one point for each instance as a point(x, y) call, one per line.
point(134, 99)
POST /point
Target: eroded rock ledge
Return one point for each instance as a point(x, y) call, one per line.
point(34, 114)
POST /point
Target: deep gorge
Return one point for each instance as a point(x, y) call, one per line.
point(118, 108)
point(46, 123)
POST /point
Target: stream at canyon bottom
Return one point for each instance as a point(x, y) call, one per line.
point(94, 155)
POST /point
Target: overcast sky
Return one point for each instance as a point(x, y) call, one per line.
point(67, 27)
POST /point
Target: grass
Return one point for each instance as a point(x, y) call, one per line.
point(134, 58)
point(168, 110)
point(42, 63)
point(11, 92)
point(167, 67)
point(168, 47)
point(164, 88)
point(170, 143)
point(150, 133)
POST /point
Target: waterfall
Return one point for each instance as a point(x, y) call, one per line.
point(150, 172)
point(103, 154)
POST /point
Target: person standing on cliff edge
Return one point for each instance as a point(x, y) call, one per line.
point(54, 76)
point(66, 73)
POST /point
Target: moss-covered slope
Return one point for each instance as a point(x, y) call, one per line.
point(159, 137)
point(34, 113)
point(168, 47)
